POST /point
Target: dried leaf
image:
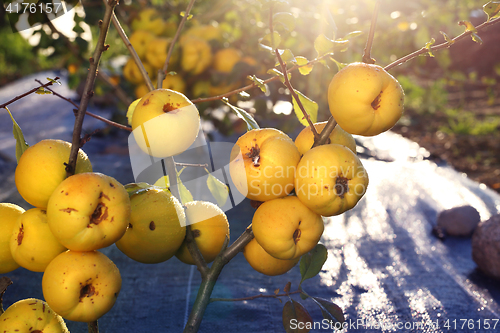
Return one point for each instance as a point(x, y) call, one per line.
point(330, 311)
point(295, 316)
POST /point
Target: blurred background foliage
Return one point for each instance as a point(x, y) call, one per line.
point(436, 84)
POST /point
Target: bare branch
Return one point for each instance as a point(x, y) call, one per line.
point(89, 84)
point(441, 46)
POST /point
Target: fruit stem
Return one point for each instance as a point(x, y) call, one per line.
point(295, 96)
point(163, 71)
point(89, 84)
point(367, 59)
point(201, 264)
point(325, 133)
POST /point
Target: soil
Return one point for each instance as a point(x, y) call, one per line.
point(478, 156)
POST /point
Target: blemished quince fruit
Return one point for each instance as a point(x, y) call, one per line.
point(156, 229)
point(31, 315)
point(262, 164)
point(88, 211)
point(330, 179)
point(225, 59)
point(165, 123)
point(140, 40)
point(132, 73)
point(365, 99)
point(32, 244)
point(157, 51)
point(210, 229)
point(150, 20)
point(9, 213)
point(305, 139)
point(286, 228)
point(81, 286)
point(41, 169)
point(265, 263)
point(196, 55)
point(174, 82)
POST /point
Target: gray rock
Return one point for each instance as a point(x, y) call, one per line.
point(486, 246)
point(458, 221)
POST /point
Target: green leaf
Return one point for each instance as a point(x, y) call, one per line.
point(352, 34)
point(286, 20)
point(476, 38)
point(21, 144)
point(276, 72)
point(271, 41)
point(470, 27)
point(330, 311)
point(293, 310)
point(286, 56)
point(183, 13)
point(258, 82)
point(54, 81)
point(324, 45)
point(312, 262)
point(130, 111)
point(219, 190)
point(184, 193)
point(310, 107)
point(492, 9)
point(305, 68)
point(447, 38)
point(43, 91)
point(340, 65)
point(163, 182)
point(428, 47)
point(247, 118)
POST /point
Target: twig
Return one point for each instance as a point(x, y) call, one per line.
point(296, 97)
point(162, 73)
point(444, 45)
point(367, 59)
point(193, 249)
point(116, 88)
point(192, 165)
point(207, 284)
point(101, 75)
point(89, 84)
point(249, 298)
point(253, 85)
point(2, 106)
point(325, 133)
point(4, 283)
point(88, 113)
point(93, 327)
point(132, 52)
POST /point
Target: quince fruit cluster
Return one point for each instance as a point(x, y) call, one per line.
point(71, 219)
point(201, 64)
point(296, 184)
